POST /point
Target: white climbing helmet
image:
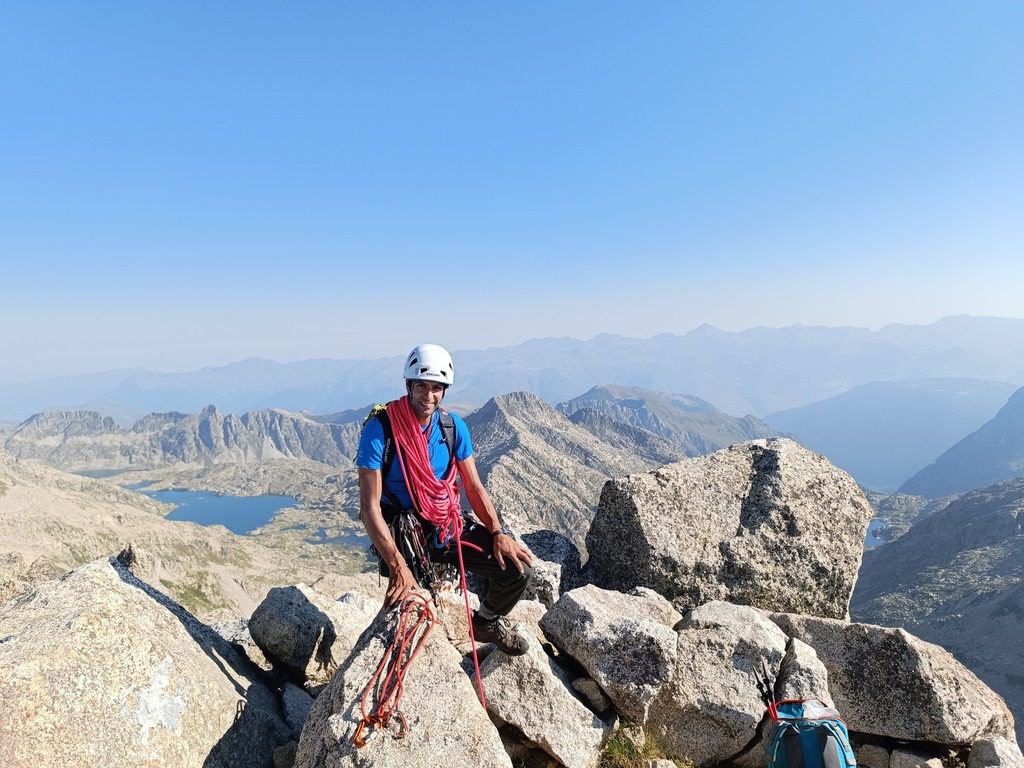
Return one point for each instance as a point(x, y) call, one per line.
point(429, 362)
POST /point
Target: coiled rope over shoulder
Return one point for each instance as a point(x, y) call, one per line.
point(436, 500)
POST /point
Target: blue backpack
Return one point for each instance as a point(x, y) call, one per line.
point(808, 734)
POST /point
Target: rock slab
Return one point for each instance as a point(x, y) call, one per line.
point(886, 682)
point(305, 631)
point(99, 668)
point(621, 640)
point(764, 523)
point(531, 693)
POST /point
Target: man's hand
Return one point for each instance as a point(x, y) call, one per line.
point(400, 584)
point(507, 547)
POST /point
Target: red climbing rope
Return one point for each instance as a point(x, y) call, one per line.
point(469, 621)
point(379, 703)
point(437, 500)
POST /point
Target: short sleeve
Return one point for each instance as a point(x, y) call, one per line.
point(371, 446)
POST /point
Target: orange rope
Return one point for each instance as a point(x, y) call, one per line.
point(387, 684)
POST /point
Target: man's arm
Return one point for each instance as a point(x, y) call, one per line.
point(505, 546)
point(401, 582)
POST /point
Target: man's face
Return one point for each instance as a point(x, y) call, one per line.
point(425, 397)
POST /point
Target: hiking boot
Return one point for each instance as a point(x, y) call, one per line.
point(502, 634)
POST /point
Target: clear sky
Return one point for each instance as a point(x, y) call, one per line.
point(193, 183)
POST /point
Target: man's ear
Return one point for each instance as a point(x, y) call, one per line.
point(408, 387)
point(444, 392)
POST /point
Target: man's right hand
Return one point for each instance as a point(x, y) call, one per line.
point(400, 584)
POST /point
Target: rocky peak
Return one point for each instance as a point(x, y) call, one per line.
point(642, 442)
point(156, 421)
point(49, 424)
point(693, 425)
point(542, 470)
point(519, 405)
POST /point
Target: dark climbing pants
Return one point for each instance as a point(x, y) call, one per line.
point(504, 587)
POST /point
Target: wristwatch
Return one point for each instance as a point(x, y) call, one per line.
point(504, 529)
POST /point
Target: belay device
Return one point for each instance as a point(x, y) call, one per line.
point(806, 733)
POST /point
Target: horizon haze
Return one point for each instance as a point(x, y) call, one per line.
point(186, 185)
point(759, 371)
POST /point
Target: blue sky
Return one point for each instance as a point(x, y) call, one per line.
point(187, 184)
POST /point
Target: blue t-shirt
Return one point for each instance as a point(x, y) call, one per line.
point(371, 453)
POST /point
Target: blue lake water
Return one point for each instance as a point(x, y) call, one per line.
point(244, 514)
point(357, 539)
point(872, 539)
point(239, 514)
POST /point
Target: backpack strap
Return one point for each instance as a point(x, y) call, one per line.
point(380, 413)
point(447, 423)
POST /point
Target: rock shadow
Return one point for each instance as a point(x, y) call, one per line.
point(258, 726)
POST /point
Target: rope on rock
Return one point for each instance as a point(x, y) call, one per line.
point(383, 693)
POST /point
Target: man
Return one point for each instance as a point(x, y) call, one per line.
point(421, 481)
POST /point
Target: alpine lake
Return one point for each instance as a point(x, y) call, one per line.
point(240, 514)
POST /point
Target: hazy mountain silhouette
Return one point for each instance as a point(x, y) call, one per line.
point(992, 453)
point(759, 371)
point(885, 431)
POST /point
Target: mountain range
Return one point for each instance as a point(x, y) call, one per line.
point(544, 469)
point(85, 440)
point(760, 371)
point(692, 425)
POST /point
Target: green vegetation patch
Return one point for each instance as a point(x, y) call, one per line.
point(622, 752)
point(193, 595)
